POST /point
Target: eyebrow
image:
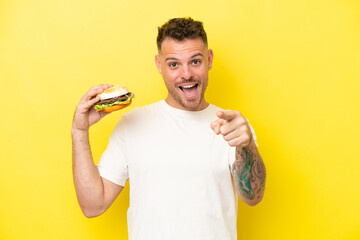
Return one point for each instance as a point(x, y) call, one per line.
point(171, 58)
point(193, 56)
point(196, 55)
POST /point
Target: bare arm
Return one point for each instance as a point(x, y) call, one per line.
point(94, 193)
point(248, 173)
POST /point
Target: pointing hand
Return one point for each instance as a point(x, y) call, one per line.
point(234, 128)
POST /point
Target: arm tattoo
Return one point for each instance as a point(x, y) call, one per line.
point(249, 173)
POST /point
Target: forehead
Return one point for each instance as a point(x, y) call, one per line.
point(174, 48)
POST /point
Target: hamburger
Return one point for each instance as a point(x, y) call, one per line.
point(113, 99)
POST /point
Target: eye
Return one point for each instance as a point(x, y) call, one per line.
point(173, 65)
point(196, 62)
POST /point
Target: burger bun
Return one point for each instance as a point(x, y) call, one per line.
point(112, 92)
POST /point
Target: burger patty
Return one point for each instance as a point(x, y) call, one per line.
point(111, 100)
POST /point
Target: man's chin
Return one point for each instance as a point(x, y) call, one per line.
point(193, 104)
point(182, 102)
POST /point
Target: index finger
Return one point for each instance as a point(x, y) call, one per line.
point(227, 115)
point(95, 91)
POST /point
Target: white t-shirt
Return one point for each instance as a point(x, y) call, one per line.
point(178, 171)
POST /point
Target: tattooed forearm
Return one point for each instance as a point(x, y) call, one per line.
point(249, 174)
point(242, 171)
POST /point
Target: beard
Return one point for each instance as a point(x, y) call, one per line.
point(188, 104)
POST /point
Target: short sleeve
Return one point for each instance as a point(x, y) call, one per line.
point(113, 163)
point(232, 150)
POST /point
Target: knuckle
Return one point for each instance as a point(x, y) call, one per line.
point(247, 139)
point(78, 107)
point(239, 123)
point(91, 90)
point(244, 128)
point(222, 130)
point(242, 120)
point(232, 143)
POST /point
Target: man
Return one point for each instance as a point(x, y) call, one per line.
point(185, 159)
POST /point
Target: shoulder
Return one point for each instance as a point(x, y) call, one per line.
point(139, 115)
point(215, 107)
point(139, 112)
point(136, 119)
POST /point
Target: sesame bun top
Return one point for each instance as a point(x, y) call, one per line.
point(112, 92)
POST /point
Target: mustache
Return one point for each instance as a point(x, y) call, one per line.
point(188, 81)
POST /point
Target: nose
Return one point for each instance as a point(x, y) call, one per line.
point(186, 72)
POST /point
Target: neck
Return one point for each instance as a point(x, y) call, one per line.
point(171, 102)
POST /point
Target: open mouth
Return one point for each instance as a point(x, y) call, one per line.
point(189, 90)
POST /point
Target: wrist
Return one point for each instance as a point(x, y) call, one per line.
point(77, 131)
point(250, 147)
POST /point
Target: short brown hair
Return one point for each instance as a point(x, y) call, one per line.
point(180, 29)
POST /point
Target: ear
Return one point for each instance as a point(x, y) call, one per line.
point(157, 62)
point(210, 58)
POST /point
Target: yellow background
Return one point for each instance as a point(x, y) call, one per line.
point(291, 67)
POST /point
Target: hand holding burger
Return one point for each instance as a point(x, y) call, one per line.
point(97, 103)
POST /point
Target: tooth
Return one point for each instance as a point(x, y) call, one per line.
point(189, 86)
